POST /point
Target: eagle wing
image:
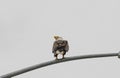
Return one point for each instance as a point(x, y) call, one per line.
point(67, 46)
point(54, 47)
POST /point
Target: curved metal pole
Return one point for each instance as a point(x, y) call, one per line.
point(12, 74)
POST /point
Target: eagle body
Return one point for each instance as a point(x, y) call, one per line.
point(60, 47)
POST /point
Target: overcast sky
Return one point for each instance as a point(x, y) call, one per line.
point(27, 28)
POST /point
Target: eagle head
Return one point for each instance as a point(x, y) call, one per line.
point(57, 38)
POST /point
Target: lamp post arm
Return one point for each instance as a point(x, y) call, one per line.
point(24, 70)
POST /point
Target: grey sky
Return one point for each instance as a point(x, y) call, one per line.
point(27, 28)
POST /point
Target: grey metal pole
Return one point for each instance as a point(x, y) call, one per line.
point(15, 73)
point(119, 54)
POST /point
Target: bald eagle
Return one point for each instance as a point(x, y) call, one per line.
point(60, 46)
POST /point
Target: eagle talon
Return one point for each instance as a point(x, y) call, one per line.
point(56, 58)
point(63, 57)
